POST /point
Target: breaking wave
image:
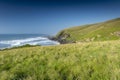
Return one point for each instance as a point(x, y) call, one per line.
point(31, 41)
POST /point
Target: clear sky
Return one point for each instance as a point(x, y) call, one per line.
point(51, 16)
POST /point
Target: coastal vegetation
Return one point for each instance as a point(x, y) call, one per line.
point(22, 46)
point(94, 54)
point(81, 61)
point(104, 31)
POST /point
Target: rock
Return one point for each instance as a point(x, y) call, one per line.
point(98, 35)
point(117, 33)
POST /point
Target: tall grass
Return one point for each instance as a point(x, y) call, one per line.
point(82, 61)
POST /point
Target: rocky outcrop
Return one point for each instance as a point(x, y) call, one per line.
point(62, 38)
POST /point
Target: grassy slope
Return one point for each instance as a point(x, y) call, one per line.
point(82, 61)
point(94, 32)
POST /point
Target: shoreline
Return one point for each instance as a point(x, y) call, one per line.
point(16, 47)
point(29, 45)
point(32, 41)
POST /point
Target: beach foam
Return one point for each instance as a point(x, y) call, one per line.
point(31, 41)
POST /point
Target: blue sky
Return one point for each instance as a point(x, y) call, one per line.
point(51, 16)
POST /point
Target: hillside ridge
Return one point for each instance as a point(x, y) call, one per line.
point(103, 31)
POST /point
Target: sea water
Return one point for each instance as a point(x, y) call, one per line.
point(13, 40)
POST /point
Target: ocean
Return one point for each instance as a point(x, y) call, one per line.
point(13, 40)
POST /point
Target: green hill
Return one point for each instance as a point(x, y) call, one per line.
point(109, 30)
point(79, 61)
point(93, 59)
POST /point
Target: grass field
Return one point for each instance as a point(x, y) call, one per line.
point(104, 31)
point(78, 61)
